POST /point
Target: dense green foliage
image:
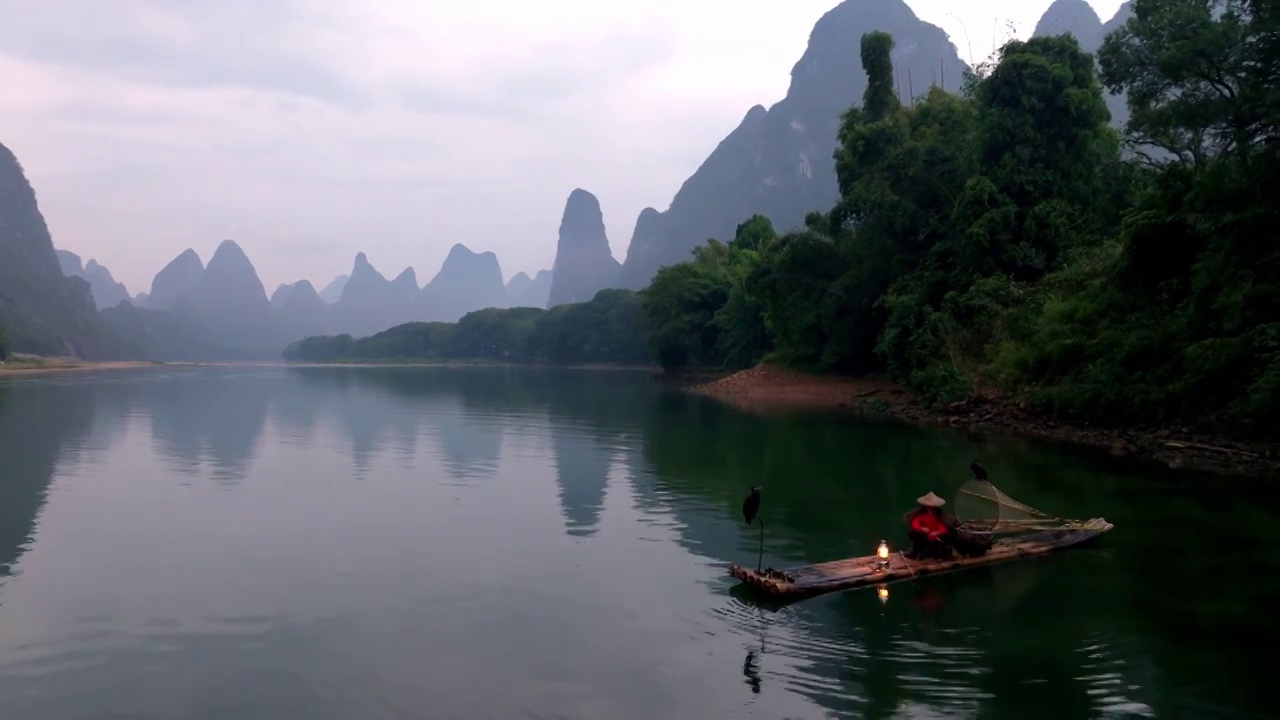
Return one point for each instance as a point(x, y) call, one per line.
point(4, 345)
point(611, 327)
point(1008, 239)
point(1004, 239)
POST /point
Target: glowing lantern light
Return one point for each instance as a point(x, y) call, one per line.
point(882, 592)
point(882, 554)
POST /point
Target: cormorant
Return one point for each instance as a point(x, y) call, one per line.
point(979, 472)
point(751, 505)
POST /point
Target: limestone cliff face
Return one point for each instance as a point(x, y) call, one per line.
point(584, 263)
point(106, 291)
point(524, 291)
point(175, 280)
point(230, 284)
point(299, 310)
point(649, 234)
point(333, 290)
point(231, 301)
point(778, 162)
point(1075, 17)
point(42, 311)
point(371, 303)
point(69, 262)
point(405, 286)
point(467, 281)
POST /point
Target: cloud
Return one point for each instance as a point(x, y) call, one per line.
point(267, 45)
point(524, 83)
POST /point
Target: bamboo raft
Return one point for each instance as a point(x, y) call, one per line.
point(808, 580)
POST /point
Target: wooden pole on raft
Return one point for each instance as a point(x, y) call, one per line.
point(760, 554)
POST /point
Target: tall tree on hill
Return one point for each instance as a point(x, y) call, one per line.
point(879, 99)
point(1044, 140)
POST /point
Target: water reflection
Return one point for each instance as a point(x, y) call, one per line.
point(1096, 631)
point(582, 474)
point(214, 418)
point(751, 671)
point(37, 424)
point(467, 411)
point(835, 487)
point(381, 407)
point(1056, 632)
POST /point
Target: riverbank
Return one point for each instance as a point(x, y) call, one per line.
point(17, 365)
point(458, 363)
point(771, 389)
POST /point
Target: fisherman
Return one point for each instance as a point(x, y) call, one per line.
point(930, 529)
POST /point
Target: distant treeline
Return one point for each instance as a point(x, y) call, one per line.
point(1003, 239)
point(611, 328)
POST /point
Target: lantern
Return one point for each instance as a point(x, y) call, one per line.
point(882, 555)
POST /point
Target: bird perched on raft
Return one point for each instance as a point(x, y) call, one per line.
point(979, 472)
point(751, 505)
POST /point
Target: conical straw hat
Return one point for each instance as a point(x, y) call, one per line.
point(931, 500)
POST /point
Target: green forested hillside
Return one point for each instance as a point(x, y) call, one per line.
point(1007, 239)
point(612, 327)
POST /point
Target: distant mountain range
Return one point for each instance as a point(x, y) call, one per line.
point(222, 311)
point(227, 300)
point(777, 162)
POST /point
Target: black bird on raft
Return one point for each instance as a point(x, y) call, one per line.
point(750, 511)
point(979, 472)
point(751, 505)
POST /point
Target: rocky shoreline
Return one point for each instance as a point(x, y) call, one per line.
point(772, 389)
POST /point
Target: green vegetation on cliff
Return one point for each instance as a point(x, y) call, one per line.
point(1003, 239)
point(611, 327)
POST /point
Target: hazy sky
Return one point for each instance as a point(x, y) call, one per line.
point(309, 130)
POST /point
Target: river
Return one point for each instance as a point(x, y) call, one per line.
point(478, 542)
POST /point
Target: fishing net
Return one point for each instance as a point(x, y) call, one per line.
point(982, 508)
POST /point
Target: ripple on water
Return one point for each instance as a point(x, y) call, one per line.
point(781, 648)
point(924, 671)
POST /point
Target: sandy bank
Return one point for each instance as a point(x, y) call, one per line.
point(767, 389)
point(36, 365)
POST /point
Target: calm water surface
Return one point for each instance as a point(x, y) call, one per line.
point(224, 543)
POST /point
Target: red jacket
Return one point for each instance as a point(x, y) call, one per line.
point(929, 524)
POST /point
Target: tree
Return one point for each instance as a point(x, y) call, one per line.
point(1044, 142)
point(1191, 69)
point(879, 99)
